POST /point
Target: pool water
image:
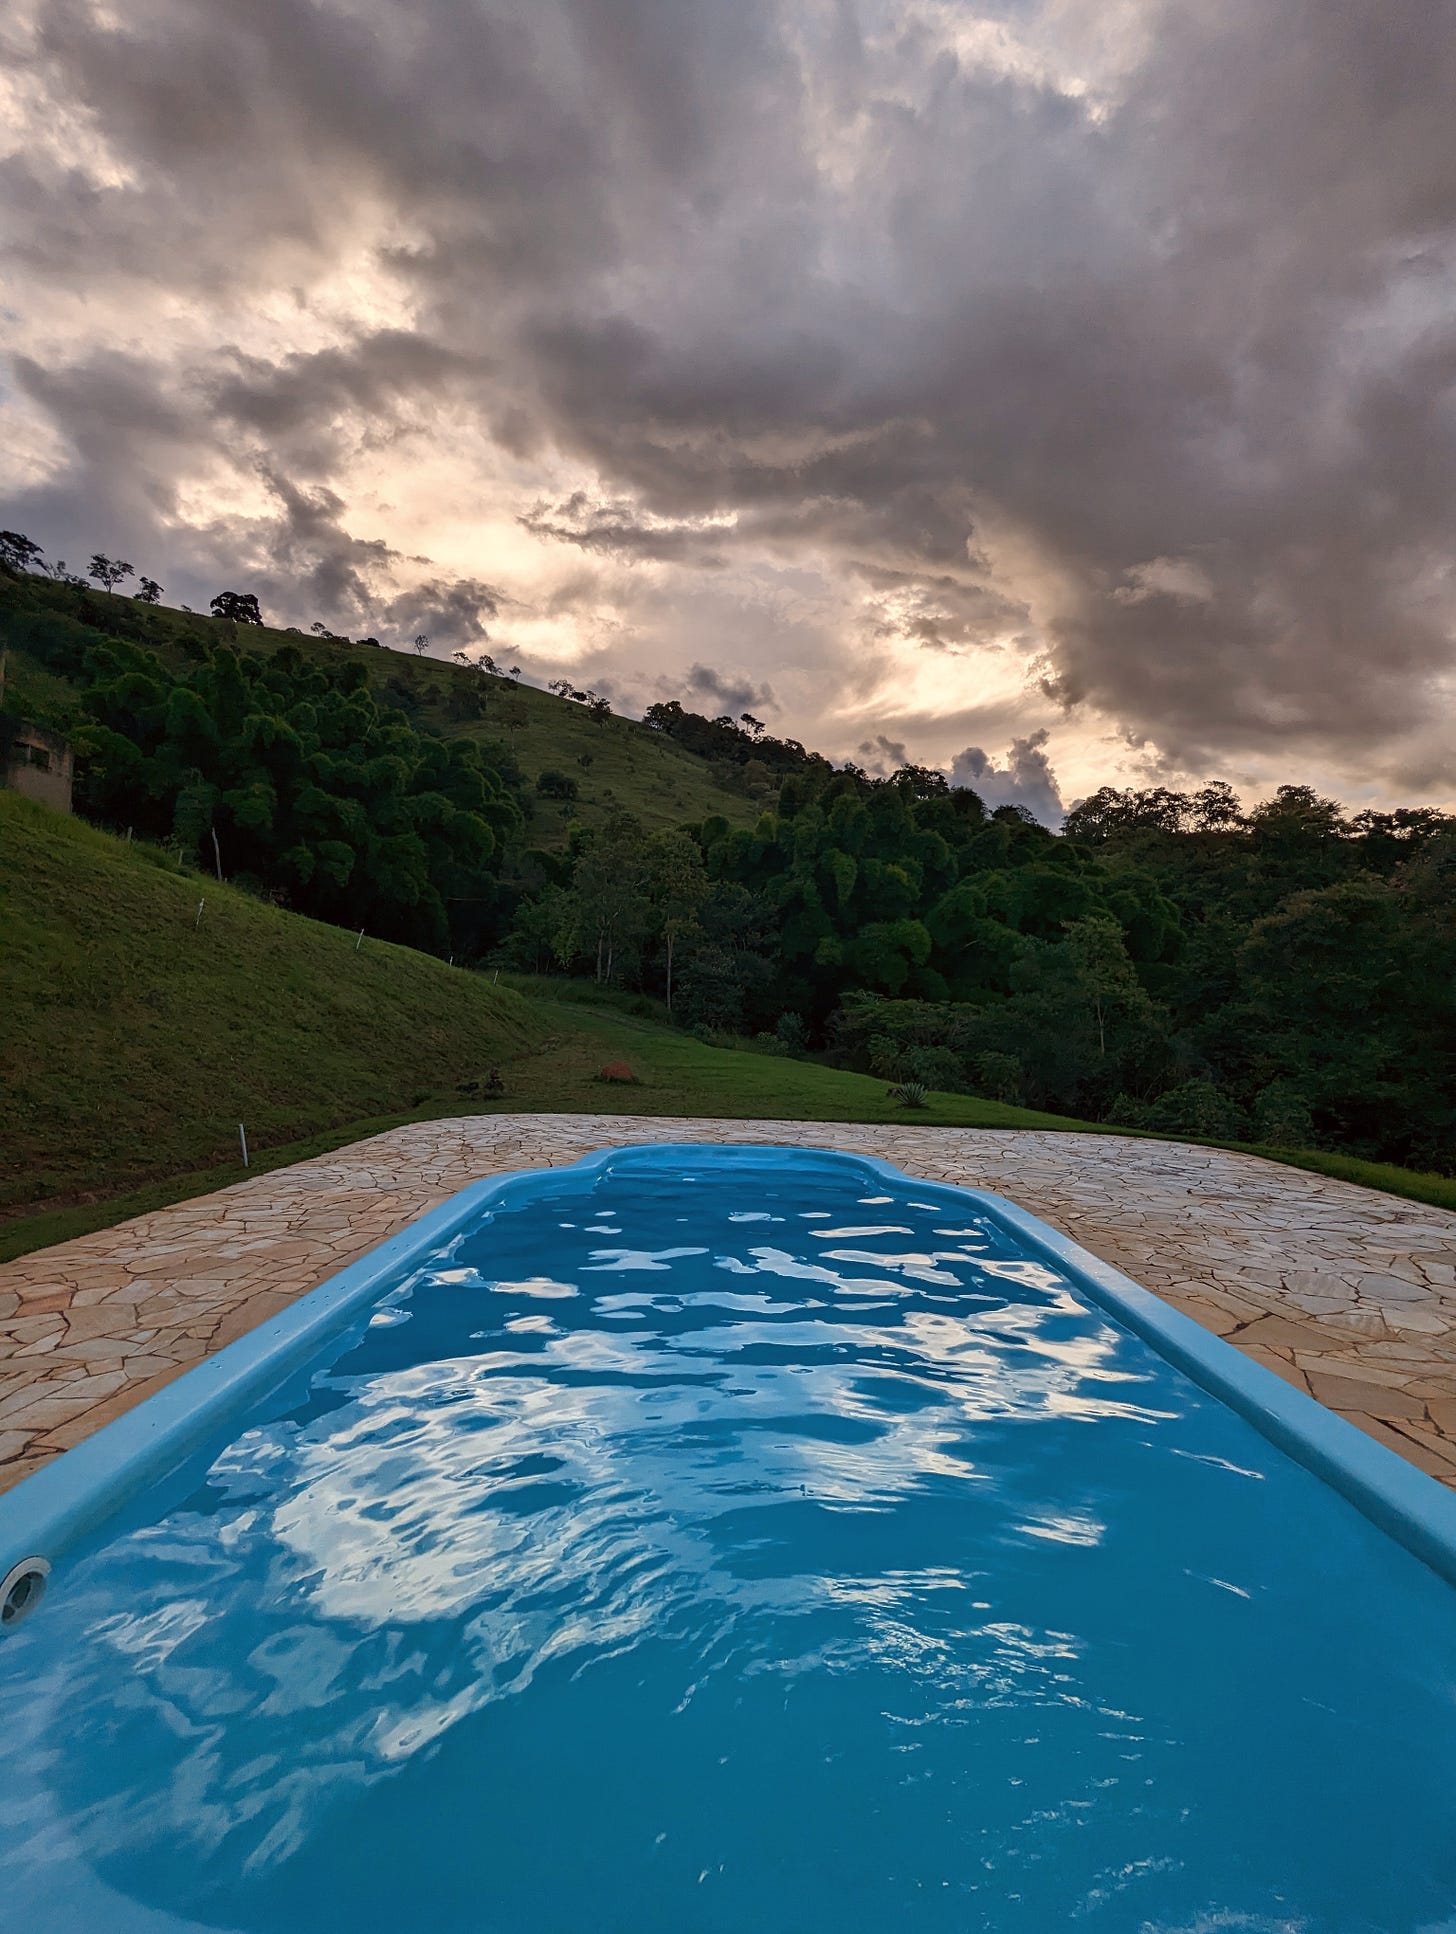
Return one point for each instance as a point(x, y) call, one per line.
point(765, 1554)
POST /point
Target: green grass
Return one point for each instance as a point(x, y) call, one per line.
point(29, 1232)
point(1416, 1185)
point(696, 1079)
point(631, 767)
point(134, 1038)
point(31, 691)
point(678, 1075)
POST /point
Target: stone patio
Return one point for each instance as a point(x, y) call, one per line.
point(1345, 1293)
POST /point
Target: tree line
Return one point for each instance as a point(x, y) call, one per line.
point(1167, 961)
point(283, 770)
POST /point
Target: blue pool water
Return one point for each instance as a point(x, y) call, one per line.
point(752, 1554)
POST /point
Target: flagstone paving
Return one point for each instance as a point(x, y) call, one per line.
point(1345, 1293)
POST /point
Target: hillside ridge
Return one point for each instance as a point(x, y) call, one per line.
point(607, 761)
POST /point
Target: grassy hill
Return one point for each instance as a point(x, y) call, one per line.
point(135, 1036)
point(629, 766)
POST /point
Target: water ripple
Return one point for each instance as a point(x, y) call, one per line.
point(792, 1587)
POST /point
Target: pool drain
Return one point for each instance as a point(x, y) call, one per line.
point(21, 1590)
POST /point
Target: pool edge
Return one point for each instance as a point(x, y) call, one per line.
point(52, 1510)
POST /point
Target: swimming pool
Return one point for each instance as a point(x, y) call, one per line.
point(738, 1540)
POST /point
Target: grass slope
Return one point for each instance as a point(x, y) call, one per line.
point(631, 767)
point(680, 1076)
point(134, 1038)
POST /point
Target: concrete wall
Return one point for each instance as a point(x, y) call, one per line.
point(36, 763)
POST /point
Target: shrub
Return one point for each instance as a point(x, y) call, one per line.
point(884, 1054)
point(1197, 1108)
point(793, 1036)
point(1282, 1118)
point(490, 1086)
point(552, 784)
point(998, 1076)
point(909, 1094)
point(934, 1068)
point(616, 1071)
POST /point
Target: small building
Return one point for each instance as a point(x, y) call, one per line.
point(36, 762)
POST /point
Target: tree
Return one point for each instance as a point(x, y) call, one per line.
point(754, 725)
point(1107, 813)
point(1296, 822)
point(422, 640)
point(1216, 807)
point(240, 606)
point(1345, 992)
point(108, 570)
point(607, 910)
point(148, 592)
point(1097, 946)
point(330, 801)
point(1282, 1117)
point(677, 885)
point(18, 553)
point(552, 784)
point(1198, 1107)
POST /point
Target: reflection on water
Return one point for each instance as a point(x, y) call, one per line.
point(835, 1568)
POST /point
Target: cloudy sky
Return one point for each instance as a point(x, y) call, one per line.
point(1060, 391)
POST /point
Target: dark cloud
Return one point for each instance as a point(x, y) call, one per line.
point(310, 553)
point(393, 378)
point(880, 756)
point(1026, 779)
point(121, 429)
point(723, 692)
point(1118, 339)
point(453, 613)
point(619, 530)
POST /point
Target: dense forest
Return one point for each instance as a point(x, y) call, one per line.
point(1284, 975)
